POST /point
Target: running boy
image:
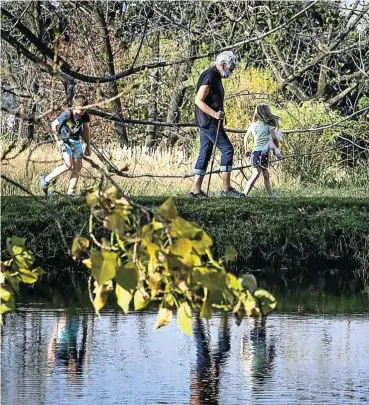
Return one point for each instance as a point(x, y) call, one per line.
point(262, 127)
point(67, 130)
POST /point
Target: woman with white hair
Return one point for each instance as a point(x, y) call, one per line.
point(209, 109)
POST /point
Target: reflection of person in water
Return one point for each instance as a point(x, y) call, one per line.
point(62, 350)
point(257, 356)
point(205, 377)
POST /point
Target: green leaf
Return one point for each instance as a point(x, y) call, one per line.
point(249, 283)
point(40, 272)
point(12, 281)
point(141, 299)
point(27, 276)
point(184, 318)
point(167, 210)
point(230, 254)
point(164, 317)
point(213, 280)
point(103, 266)
point(14, 241)
point(124, 297)
point(206, 310)
point(79, 245)
point(127, 276)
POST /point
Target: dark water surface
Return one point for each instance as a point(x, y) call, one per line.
point(50, 356)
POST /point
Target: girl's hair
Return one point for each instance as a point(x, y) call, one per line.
point(263, 113)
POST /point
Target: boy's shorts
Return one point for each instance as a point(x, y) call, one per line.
point(259, 159)
point(73, 148)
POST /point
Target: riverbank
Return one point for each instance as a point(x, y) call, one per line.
point(293, 240)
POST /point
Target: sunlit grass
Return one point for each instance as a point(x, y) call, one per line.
point(26, 167)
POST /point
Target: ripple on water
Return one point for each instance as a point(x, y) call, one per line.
point(53, 357)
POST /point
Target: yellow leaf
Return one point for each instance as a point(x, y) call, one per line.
point(87, 263)
point(202, 243)
point(250, 306)
point(141, 299)
point(232, 282)
point(181, 247)
point(23, 258)
point(164, 317)
point(101, 296)
point(111, 193)
point(2, 278)
point(154, 283)
point(167, 210)
point(267, 301)
point(103, 266)
point(79, 245)
point(184, 318)
point(92, 197)
point(27, 276)
point(181, 227)
point(124, 297)
point(5, 293)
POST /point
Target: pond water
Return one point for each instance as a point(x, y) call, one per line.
point(53, 356)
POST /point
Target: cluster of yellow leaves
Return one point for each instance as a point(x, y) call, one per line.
point(167, 261)
point(16, 270)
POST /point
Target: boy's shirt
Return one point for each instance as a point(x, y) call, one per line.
point(71, 126)
point(260, 132)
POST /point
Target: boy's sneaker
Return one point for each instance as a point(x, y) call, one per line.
point(44, 185)
point(232, 193)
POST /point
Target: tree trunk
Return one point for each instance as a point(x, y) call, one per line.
point(120, 128)
point(151, 133)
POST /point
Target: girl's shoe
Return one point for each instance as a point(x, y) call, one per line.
point(273, 196)
point(72, 194)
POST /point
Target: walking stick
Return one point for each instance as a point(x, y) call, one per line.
point(212, 161)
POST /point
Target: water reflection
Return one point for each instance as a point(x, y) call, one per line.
point(257, 354)
point(55, 357)
point(204, 385)
point(63, 355)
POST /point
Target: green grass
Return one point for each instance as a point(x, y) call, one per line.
point(288, 239)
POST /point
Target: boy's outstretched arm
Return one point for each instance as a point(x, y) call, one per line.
point(86, 136)
point(245, 140)
point(54, 126)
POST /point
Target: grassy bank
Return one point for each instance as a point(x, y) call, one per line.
point(293, 240)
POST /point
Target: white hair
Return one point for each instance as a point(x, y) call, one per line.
point(228, 58)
